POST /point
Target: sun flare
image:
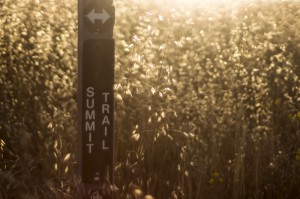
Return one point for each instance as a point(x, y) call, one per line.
point(213, 3)
point(199, 2)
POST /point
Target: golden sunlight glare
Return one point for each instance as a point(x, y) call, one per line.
point(200, 2)
point(211, 2)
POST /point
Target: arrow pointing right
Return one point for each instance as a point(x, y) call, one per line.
point(93, 16)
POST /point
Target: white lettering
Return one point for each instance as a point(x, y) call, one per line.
point(105, 107)
point(90, 137)
point(103, 145)
point(90, 115)
point(88, 105)
point(105, 131)
point(90, 147)
point(105, 96)
point(90, 126)
point(90, 92)
point(105, 120)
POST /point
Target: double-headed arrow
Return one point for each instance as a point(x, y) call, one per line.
point(93, 15)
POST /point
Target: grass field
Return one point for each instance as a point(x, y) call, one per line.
point(207, 100)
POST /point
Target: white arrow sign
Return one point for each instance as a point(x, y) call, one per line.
point(104, 16)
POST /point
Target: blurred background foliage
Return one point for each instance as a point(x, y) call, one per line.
point(207, 100)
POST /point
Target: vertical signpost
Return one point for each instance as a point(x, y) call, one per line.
point(95, 97)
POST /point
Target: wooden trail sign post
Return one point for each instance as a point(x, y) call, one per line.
point(95, 97)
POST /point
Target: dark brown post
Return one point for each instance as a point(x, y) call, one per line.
point(95, 97)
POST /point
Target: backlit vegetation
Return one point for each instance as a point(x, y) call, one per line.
point(207, 100)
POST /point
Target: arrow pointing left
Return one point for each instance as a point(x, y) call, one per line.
point(93, 16)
